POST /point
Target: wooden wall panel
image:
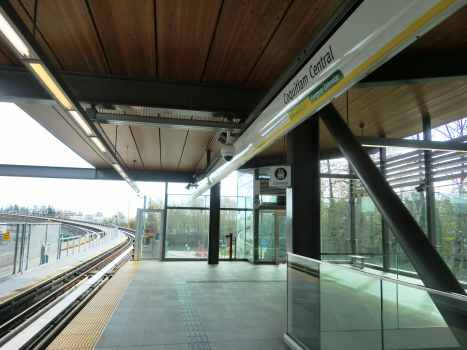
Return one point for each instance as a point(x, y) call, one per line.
point(244, 29)
point(299, 26)
point(27, 19)
point(185, 29)
point(68, 28)
point(127, 31)
point(172, 144)
point(59, 124)
point(148, 142)
point(126, 146)
point(195, 148)
point(448, 36)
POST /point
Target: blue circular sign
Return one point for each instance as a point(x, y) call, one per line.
point(280, 173)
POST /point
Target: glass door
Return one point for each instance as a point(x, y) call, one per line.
point(149, 234)
point(267, 236)
point(281, 237)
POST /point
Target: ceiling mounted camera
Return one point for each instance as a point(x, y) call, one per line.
point(228, 150)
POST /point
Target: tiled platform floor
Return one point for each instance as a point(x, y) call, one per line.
point(240, 306)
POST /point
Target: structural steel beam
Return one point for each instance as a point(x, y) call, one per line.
point(92, 174)
point(171, 123)
point(417, 144)
point(18, 85)
point(304, 197)
point(418, 69)
point(426, 260)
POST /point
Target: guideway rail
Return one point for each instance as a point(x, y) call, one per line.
point(7, 329)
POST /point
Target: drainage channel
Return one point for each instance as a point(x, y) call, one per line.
point(197, 338)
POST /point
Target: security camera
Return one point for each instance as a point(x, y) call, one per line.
point(228, 150)
point(422, 187)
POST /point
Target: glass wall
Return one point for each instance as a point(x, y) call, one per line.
point(451, 225)
point(228, 225)
point(187, 233)
point(245, 182)
point(334, 231)
point(368, 229)
point(187, 224)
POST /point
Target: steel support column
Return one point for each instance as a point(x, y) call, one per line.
point(430, 189)
point(214, 224)
point(384, 225)
point(304, 197)
point(164, 229)
point(351, 217)
point(429, 265)
point(256, 206)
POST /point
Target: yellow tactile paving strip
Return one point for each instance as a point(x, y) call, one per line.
point(83, 332)
point(39, 281)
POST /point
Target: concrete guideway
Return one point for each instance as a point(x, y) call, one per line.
point(60, 310)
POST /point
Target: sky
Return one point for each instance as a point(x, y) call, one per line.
point(26, 142)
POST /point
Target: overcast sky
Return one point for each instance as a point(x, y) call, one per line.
point(25, 142)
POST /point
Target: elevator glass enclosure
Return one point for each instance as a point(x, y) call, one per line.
point(149, 234)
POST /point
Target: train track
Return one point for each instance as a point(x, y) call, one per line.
point(17, 311)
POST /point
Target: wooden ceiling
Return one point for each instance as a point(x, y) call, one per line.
point(237, 42)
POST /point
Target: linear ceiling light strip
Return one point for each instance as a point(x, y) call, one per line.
point(371, 35)
point(26, 48)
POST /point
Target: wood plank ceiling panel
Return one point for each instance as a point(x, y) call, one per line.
point(399, 113)
point(27, 19)
point(126, 146)
point(277, 148)
point(215, 148)
point(172, 144)
point(448, 36)
point(4, 61)
point(69, 29)
point(127, 31)
point(7, 57)
point(59, 124)
point(244, 30)
point(185, 29)
point(300, 24)
point(195, 149)
point(148, 142)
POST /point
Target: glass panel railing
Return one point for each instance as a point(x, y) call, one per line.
point(10, 233)
point(337, 307)
point(396, 266)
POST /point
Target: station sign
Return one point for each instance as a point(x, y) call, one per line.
point(6, 236)
point(281, 176)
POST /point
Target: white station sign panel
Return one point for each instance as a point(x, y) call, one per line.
point(281, 176)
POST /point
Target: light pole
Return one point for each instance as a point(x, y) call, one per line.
point(144, 206)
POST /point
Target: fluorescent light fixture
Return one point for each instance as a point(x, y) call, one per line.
point(80, 120)
point(99, 144)
point(53, 88)
point(13, 38)
point(118, 167)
